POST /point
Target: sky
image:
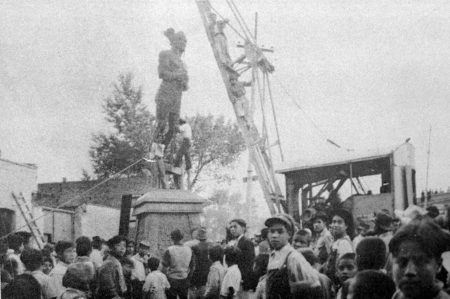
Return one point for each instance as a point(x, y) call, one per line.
point(366, 74)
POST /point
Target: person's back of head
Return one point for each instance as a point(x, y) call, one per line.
point(31, 258)
point(83, 246)
point(153, 263)
point(232, 255)
point(77, 277)
point(15, 242)
point(26, 237)
point(23, 286)
point(215, 253)
point(97, 242)
point(371, 284)
point(371, 254)
point(176, 235)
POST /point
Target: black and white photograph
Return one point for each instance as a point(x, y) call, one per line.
point(224, 149)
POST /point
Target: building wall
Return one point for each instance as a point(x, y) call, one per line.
point(107, 194)
point(17, 178)
point(100, 221)
point(58, 224)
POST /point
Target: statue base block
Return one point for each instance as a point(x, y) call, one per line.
point(161, 211)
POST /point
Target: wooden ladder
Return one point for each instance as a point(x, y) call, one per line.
point(29, 219)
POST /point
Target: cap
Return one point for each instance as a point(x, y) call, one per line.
point(285, 219)
point(384, 221)
point(144, 243)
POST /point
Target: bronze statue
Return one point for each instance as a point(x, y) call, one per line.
point(173, 73)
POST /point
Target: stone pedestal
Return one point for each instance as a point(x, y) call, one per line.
point(160, 211)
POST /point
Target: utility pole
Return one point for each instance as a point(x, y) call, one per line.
point(428, 167)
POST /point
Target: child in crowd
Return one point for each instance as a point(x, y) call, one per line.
point(232, 279)
point(345, 269)
point(15, 244)
point(77, 282)
point(302, 239)
point(32, 259)
point(325, 282)
point(261, 262)
point(65, 251)
point(47, 265)
point(24, 286)
point(156, 282)
point(371, 254)
point(371, 284)
point(417, 249)
point(216, 273)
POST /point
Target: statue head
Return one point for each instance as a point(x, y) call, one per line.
point(177, 39)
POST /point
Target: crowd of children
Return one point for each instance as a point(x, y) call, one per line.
point(406, 261)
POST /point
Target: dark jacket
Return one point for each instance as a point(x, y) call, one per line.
point(202, 264)
point(245, 262)
point(109, 279)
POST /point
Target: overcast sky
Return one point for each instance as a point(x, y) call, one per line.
point(368, 73)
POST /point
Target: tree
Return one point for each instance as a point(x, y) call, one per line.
point(133, 128)
point(216, 143)
point(223, 207)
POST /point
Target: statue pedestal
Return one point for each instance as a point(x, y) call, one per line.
point(161, 211)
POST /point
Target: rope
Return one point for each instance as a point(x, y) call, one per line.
point(76, 197)
point(321, 132)
point(242, 20)
point(228, 25)
point(247, 37)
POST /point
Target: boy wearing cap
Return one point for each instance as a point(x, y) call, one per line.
point(417, 249)
point(289, 275)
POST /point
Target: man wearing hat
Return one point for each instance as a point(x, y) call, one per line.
point(322, 238)
point(289, 275)
point(247, 256)
point(138, 273)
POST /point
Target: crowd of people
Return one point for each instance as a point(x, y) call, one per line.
point(318, 259)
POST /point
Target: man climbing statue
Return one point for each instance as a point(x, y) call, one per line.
point(172, 71)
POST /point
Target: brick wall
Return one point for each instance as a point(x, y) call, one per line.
point(108, 194)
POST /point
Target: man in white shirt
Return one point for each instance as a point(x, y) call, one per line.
point(138, 273)
point(185, 132)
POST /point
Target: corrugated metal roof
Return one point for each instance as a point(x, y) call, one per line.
point(337, 159)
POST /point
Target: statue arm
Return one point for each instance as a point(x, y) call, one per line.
point(164, 70)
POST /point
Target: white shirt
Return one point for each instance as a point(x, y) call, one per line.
point(56, 277)
point(96, 257)
point(186, 131)
point(232, 279)
point(156, 283)
point(139, 270)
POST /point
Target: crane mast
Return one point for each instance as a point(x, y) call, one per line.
point(259, 150)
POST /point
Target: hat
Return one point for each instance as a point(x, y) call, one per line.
point(144, 243)
point(384, 221)
point(201, 234)
point(320, 215)
point(285, 219)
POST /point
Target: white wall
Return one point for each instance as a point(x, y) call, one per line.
point(100, 221)
point(17, 178)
